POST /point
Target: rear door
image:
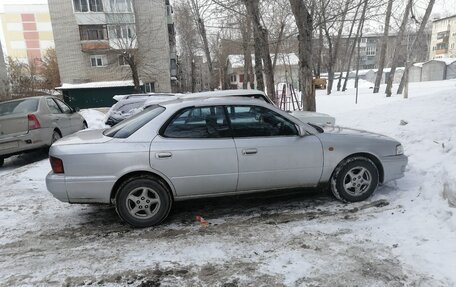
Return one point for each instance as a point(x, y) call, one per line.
point(75, 118)
point(58, 117)
point(196, 152)
point(271, 153)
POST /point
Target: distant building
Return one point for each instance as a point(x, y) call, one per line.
point(443, 39)
point(26, 30)
point(92, 35)
point(286, 70)
point(370, 49)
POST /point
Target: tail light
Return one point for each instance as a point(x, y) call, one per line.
point(56, 164)
point(33, 122)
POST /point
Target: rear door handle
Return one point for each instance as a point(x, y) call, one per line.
point(249, 151)
point(164, 155)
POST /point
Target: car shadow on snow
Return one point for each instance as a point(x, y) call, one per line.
point(24, 159)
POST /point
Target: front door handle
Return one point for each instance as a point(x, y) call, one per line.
point(249, 151)
point(164, 155)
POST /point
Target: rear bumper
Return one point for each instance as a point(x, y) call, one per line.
point(80, 189)
point(55, 183)
point(394, 167)
point(32, 140)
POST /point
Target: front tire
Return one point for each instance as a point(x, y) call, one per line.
point(355, 179)
point(143, 202)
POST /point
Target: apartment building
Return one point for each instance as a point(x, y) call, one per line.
point(91, 37)
point(443, 39)
point(25, 29)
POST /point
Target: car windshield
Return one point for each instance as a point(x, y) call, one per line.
point(23, 106)
point(127, 127)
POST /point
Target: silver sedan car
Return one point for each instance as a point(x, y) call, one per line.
point(195, 148)
point(36, 122)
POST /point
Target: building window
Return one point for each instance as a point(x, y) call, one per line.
point(121, 32)
point(233, 78)
point(149, 87)
point(88, 5)
point(98, 60)
point(121, 6)
point(93, 32)
point(371, 51)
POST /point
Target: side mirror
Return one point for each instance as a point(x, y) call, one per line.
point(302, 131)
point(76, 109)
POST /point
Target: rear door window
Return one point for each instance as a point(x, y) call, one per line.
point(53, 107)
point(198, 122)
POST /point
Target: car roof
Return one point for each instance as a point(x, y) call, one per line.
point(208, 101)
point(226, 93)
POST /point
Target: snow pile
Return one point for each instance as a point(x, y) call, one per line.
point(426, 228)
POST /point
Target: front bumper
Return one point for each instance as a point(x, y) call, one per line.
point(394, 167)
point(55, 183)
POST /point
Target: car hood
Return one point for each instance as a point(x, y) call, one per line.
point(353, 132)
point(84, 137)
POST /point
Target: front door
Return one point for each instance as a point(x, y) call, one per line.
point(271, 153)
point(196, 152)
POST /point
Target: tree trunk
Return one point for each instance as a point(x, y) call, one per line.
point(381, 63)
point(357, 37)
point(304, 23)
point(397, 43)
point(202, 30)
point(336, 49)
point(347, 46)
point(245, 30)
point(261, 47)
point(360, 27)
point(413, 47)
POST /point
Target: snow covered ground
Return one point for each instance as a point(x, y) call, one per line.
point(405, 235)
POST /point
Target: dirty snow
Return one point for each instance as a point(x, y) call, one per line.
point(403, 236)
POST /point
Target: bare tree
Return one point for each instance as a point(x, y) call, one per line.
point(397, 43)
point(49, 70)
point(22, 78)
point(413, 48)
point(262, 54)
point(199, 7)
point(189, 42)
point(381, 62)
point(304, 23)
point(333, 50)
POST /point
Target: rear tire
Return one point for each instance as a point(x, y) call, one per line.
point(55, 137)
point(355, 179)
point(143, 202)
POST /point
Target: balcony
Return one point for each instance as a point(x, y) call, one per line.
point(94, 45)
point(441, 51)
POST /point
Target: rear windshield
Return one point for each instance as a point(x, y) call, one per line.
point(126, 128)
point(23, 106)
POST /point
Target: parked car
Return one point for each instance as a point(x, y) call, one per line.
point(128, 106)
point(189, 148)
point(32, 123)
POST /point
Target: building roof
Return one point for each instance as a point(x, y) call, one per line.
point(447, 61)
point(95, 85)
point(444, 18)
